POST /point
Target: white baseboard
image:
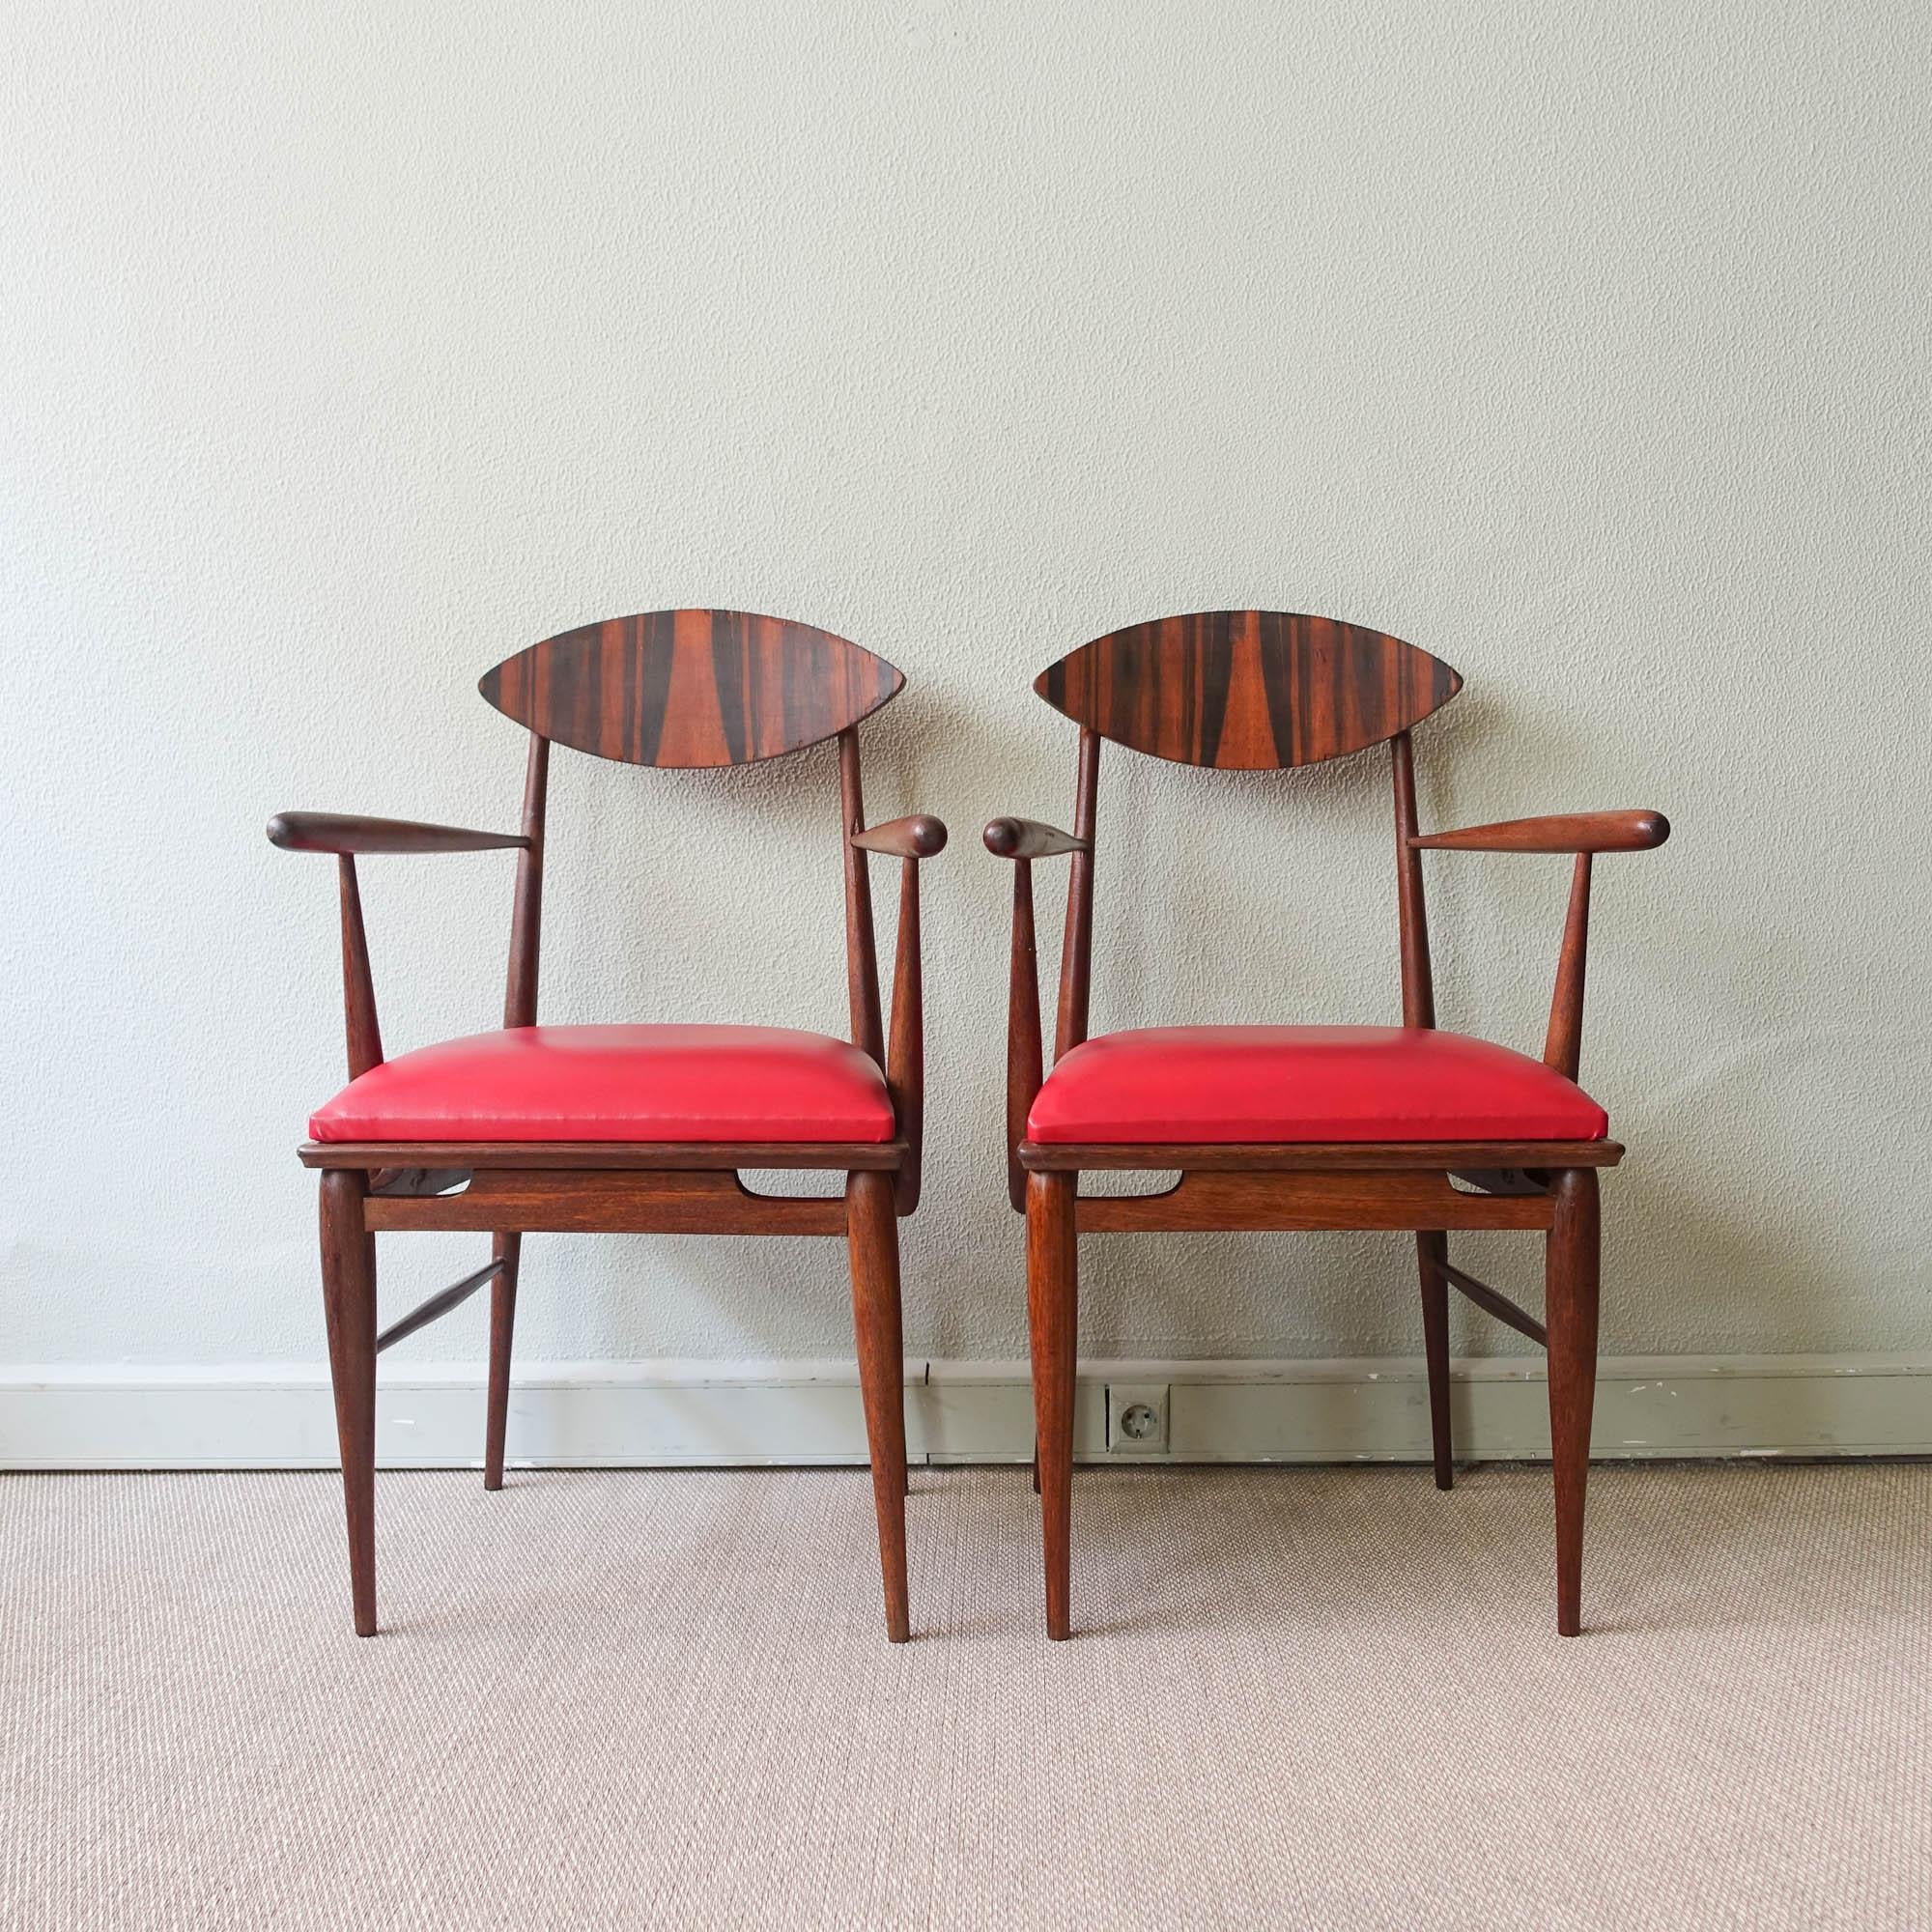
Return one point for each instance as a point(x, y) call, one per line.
point(279, 1416)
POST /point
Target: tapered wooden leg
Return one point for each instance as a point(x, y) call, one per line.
point(1053, 1318)
point(1431, 1250)
point(872, 1228)
point(508, 1249)
point(349, 1303)
point(1570, 1311)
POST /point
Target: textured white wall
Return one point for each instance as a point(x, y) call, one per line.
point(348, 351)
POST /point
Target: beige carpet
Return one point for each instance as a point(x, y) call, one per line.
point(1305, 1697)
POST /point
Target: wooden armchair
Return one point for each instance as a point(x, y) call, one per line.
point(1301, 1127)
point(630, 1129)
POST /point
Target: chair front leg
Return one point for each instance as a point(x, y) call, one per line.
point(1571, 1296)
point(1053, 1320)
point(349, 1305)
point(508, 1249)
point(1431, 1250)
point(872, 1222)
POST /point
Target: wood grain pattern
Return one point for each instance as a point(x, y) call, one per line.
point(554, 1202)
point(1247, 689)
point(1566, 832)
point(869, 1218)
point(692, 687)
point(1029, 839)
point(1076, 945)
point(1053, 1298)
point(687, 688)
point(862, 957)
point(519, 987)
point(919, 837)
point(349, 1307)
point(356, 832)
point(1263, 1200)
point(1570, 1301)
point(1418, 979)
point(1258, 689)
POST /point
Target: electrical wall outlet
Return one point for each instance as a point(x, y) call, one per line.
point(1137, 1418)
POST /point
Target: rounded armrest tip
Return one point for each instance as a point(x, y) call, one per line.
point(1653, 827)
point(1026, 838)
point(919, 837)
point(281, 832)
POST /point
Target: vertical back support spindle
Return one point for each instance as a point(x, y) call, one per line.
point(519, 995)
point(1418, 980)
point(905, 1056)
point(1076, 962)
point(861, 961)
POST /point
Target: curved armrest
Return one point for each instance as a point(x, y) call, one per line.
point(1023, 840)
point(1585, 833)
point(917, 836)
point(1571, 832)
point(1029, 839)
point(920, 837)
point(344, 835)
point(347, 833)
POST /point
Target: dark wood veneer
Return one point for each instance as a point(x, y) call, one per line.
point(1256, 1200)
point(676, 688)
point(1569, 832)
point(1254, 690)
point(687, 688)
point(1027, 838)
point(1247, 689)
point(548, 1201)
point(920, 837)
point(349, 831)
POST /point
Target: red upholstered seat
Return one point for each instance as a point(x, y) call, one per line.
point(617, 1083)
point(1306, 1084)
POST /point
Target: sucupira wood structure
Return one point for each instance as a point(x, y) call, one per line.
point(1301, 1127)
point(635, 1128)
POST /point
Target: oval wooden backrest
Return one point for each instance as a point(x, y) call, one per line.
point(1247, 689)
point(686, 688)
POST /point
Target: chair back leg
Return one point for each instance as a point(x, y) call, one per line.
point(872, 1228)
point(1431, 1250)
point(1053, 1322)
point(508, 1249)
point(1571, 1312)
point(349, 1305)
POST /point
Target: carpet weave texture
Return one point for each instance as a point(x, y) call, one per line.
point(1298, 1698)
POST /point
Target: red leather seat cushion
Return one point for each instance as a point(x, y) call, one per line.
point(617, 1083)
point(1307, 1084)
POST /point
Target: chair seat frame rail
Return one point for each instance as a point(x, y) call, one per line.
point(673, 688)
point(1265, 690)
